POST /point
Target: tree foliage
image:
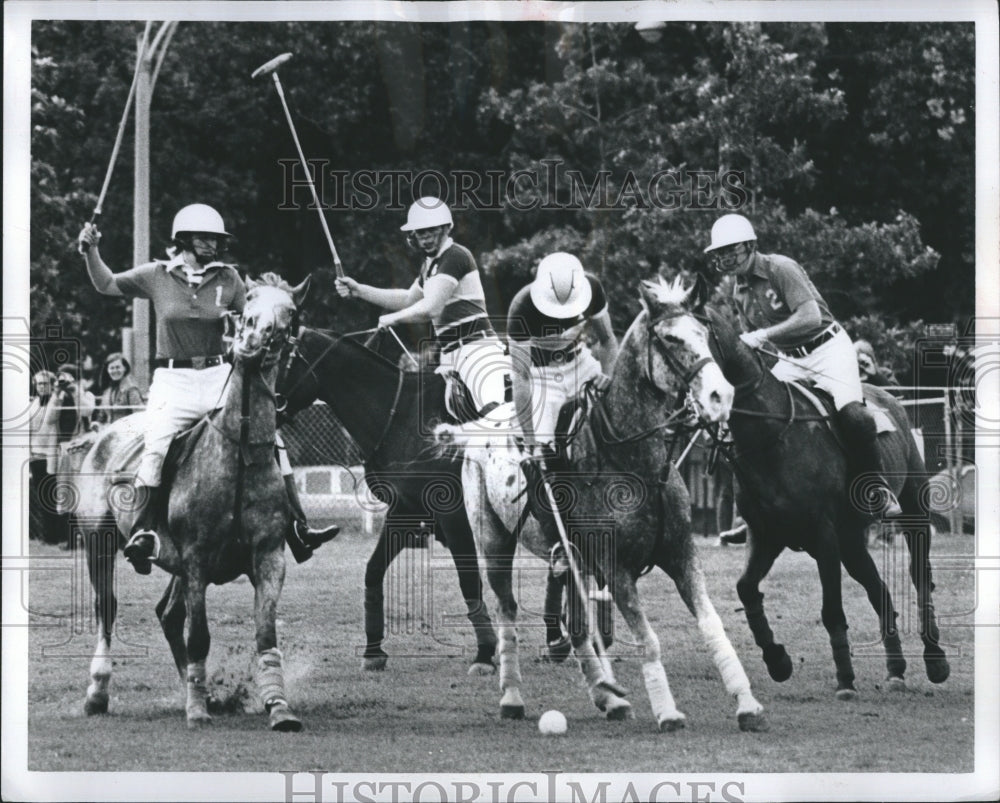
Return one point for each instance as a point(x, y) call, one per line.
point(850, 146)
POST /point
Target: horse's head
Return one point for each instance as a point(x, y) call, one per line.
point(268, 318)
point(677, 350)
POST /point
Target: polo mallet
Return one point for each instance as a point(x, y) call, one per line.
point(595, 633)
point(271, 68)
point(121, 131)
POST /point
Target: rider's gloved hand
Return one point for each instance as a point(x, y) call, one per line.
point(87, 238)
point(346, 287)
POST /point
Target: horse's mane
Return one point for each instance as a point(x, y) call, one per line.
point(673, 293)
point(271, 279)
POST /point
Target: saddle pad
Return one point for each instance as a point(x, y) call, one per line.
point(883, 423)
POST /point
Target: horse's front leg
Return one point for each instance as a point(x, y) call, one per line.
point(391, 541)
point(460, 540)
point(605, 692)
point(834, 619)
point(101, 545)
point(763, 551)
point(198, 643)
point(690, 581)
point(269, 675)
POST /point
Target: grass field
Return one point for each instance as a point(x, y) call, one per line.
point(425, 714)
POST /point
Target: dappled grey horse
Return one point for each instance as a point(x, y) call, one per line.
point(225, 515)
point(624, 504)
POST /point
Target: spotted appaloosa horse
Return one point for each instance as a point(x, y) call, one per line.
point(390, 414)
point(225, 516)
point(622, 477)
point(794, 493)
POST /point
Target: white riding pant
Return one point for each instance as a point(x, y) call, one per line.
point(833, 367)
point(178, 398)
point(554, 385)
point(483, 366)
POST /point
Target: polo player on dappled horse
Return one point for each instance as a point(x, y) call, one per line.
point(779, 305)
point(192, 293)
point(448, 292)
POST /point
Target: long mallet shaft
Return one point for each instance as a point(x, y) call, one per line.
point(271, 68)
point(121, 130)
point(581, 588)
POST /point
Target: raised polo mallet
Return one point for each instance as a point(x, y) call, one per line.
point(121, 131)
point(271, 68)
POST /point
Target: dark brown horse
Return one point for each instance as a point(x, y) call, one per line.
point(225, 516)
point(794, 492)
point(624, 504)
point(391, 415)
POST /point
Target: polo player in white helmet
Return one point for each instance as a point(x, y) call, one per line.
point(448, 292)
point(779, 305)
point(192, 293)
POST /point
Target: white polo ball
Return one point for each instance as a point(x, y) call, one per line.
point(552, 723)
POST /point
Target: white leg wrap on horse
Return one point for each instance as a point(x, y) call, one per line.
point(100, 669)
point(658, 689)
point(197, 691)
point(510, 668)
point(728, 663)
point(270, 679)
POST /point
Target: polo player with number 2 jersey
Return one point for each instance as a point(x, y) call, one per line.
point(448, 292)
point(778, 304)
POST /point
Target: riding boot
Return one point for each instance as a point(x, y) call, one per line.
point(541, 509)
point(858, 428)
point(144, 545)
point(307, 537)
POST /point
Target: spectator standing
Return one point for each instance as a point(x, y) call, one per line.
point(121, 396)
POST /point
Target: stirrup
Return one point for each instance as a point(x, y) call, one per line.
point(314, 537)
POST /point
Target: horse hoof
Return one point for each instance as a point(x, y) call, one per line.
point(619, 713)
point(482, 669)
point(98, 704)
point(937, 668)
point(199, 720)
point(375, 663)
point(512, 712)
point(895, 683)
point(558, 650)
point(671, 724)
point(846, 695)
point(779, 665)
point(284, 721)
point(753, 723)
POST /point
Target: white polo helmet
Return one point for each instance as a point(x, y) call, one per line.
point(560, 288)
point(427, 213)
point(198, 217)
point(729, 230)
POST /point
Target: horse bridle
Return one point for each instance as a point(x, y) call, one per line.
point(681, 404)
point(281, 402)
